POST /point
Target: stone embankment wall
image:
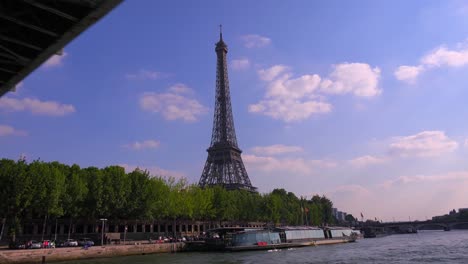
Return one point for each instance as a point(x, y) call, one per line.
point(65, 254)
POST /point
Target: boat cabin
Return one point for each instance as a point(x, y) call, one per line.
point(255, 237)
point(337, 232)
point(290, 234)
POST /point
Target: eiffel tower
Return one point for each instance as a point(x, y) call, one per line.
point(224, 164)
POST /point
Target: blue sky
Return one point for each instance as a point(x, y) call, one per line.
point(363, 101)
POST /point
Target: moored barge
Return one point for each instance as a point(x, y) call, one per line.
point(241, 239)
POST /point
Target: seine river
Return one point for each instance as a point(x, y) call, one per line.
point(424, 247)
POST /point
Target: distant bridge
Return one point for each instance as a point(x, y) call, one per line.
point(421, 225)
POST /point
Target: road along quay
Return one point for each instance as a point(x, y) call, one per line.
point(47, 255)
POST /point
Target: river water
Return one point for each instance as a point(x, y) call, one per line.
point(424, 247)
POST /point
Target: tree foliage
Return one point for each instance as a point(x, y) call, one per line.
point(51, 190)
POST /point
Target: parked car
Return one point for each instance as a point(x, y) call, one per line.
point(48, 244)
point(59, 243)
point(71, 243)
point(17, 245)
point(85, 242)
point(33, 244)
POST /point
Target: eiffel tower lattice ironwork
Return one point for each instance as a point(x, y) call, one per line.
point(224, 164)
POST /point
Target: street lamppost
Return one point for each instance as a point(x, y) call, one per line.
point(102, 230)
point(125, 233)
point(55, 235)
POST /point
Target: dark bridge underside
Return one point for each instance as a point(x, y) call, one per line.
point(425, 225)
point(31, 31)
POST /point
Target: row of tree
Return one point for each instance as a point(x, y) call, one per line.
point(52, 190)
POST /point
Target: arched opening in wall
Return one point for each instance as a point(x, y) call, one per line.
point(28, 229)
point(460, 226)
point(67, 227)
point(79, 229)
point(431, 227)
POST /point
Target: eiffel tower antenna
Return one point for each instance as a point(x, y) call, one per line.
point(224, 164)
point(220, 32)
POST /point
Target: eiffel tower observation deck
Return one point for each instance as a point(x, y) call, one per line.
point(224, 166)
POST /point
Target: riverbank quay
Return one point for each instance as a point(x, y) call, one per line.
point(26, 256)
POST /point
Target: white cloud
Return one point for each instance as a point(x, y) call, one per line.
point(445, 57)
point(439, 57)
point(154, 171)
point(421, 195)
point(356, 78)
point(423, 144)
point(465, 143)
point(276, 149)
point(35, 106)
point(289, 165)
point(240, 64)
point(6, 130)
point(366, 160)
point(449, 176)
point(180, 88)
point(142, 75)
point(147, 144)
point(272, 72)
point(295, 99)
point(289, 99)
point(55, 60)
point(290, 110)
point(288, 88)
point(173, 106)
point(270, 164)
point(408, 73)
point(255, 41)
point(354, 188)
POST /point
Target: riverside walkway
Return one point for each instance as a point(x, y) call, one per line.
point(65, 254)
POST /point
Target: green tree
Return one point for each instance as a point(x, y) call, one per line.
point(177, 205)
point(273, 207)
point(115, 192)
point(137, 200)
point(49, 184)
point(157, 193)
point(16, 194)
point(47, 190)
point(350, 218)
point(250, 206)
point(74, 197)
point(327, 212)
point(202, 202)
point(220, 203)
point(94, 200)
point(315, 214)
